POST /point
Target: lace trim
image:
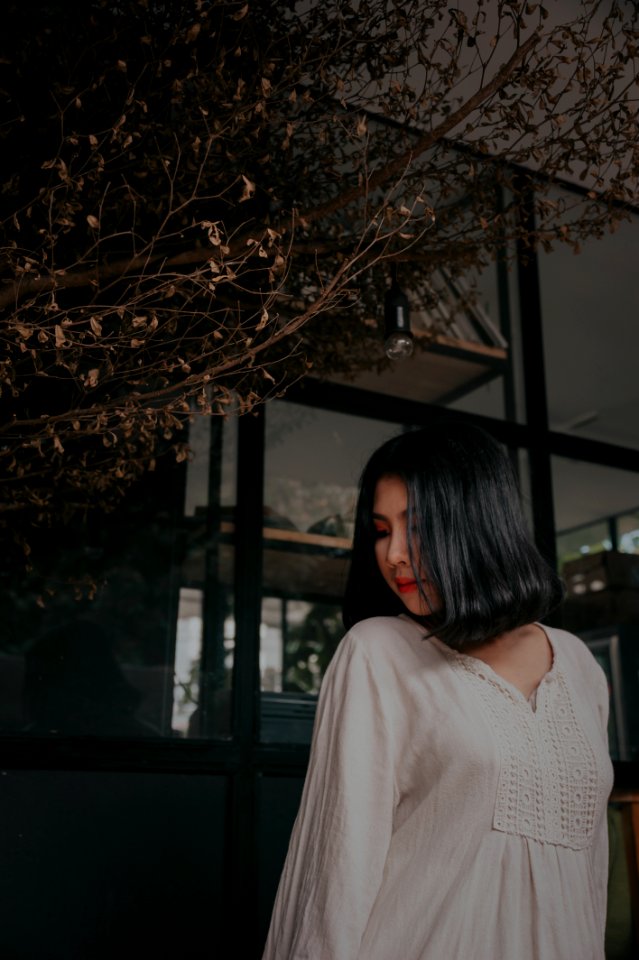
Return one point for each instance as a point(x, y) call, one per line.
point(548, 786)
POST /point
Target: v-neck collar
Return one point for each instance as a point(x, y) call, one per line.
point(484, 670)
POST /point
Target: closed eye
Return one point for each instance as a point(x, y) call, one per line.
point(380, 532)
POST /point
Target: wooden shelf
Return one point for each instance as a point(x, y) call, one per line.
point(289, 570)
point(448, 368)
point(282, 535)
point(468, 347)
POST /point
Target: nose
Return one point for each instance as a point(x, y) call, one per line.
point(397, 553)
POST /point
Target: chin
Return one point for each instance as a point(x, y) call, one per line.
point(416, 606)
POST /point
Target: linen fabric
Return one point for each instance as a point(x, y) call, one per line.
point(444, 816)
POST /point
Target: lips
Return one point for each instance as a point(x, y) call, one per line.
point(405, 584)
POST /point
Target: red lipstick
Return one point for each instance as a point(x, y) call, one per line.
point(406, 584)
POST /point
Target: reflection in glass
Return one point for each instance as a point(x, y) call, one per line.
point(628, 532)
point(88, 646)
point(74, 685)
point(188, 654)
point(205, 637)
point(591, 538)
point(197, 474)
point(298, 640)
point(203, 432)
point(124, 628)
point(271, 644)
point(596, 516)
point(312, 467)
point(313, 462)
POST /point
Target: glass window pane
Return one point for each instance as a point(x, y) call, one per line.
point(297, 642)
point(593, 505)
point(487, 398)
point(205, 638)
point(124, 626)
point(198, 476)
point(628, 532)
point(581, 541)
point(313, 462)
point(89, 649)
point(588, 500)
point(591, 338)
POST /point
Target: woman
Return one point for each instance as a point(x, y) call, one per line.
point(455, 801)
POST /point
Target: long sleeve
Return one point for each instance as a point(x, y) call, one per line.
point(600, 840)
point(339, 842)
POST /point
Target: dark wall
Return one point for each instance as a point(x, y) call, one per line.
point(278, 799)
point(110, 865)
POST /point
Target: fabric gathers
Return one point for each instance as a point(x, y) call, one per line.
point(444, 815)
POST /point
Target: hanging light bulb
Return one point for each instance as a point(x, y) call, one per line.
point(398, 344)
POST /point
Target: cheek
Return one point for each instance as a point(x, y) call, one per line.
point(380, 555)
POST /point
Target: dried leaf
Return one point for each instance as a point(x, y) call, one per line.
point(249, 189)
point(93, 221)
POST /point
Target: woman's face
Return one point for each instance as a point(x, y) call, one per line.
point(390, 509)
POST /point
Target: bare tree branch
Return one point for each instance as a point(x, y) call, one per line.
point(200, 205)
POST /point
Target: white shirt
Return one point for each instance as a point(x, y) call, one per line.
point(444, 817)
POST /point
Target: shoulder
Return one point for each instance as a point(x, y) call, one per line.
point(380, 645)
point(569, 644)
point(380, 630)
point(384, 638)
point(574, 651)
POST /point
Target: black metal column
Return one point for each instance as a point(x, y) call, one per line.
point(214, 610)
point(242, 858)
point(535, 383)
point(503, 290)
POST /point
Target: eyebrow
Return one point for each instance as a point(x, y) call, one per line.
point(380, 516)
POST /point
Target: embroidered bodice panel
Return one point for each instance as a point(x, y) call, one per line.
point(548, 781)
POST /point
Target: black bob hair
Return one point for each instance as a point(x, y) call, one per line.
point(469, 537)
